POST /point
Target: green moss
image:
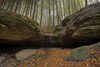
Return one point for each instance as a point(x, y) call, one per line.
point(80, 53)
point(9, 17)
point(57, 31)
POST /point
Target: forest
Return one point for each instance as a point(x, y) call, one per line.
point(49, 33)
point(48, 13)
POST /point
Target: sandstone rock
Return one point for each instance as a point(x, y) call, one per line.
point(17, 28)
point(83, 27)
point(67, 19)
point(85, 52)
point(87, 32)
point(24, 54)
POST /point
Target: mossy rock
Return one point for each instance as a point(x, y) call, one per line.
point(67, 19)
point(84, 53)
point(83, 27)
point(57, 30)
point(15, 27)
point(80, 54)
point(87, 32)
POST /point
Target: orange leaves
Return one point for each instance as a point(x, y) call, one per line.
point(55, 58)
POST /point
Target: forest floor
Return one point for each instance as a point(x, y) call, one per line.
point(49, 57)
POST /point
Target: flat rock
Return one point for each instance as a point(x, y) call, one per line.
point(24, 54)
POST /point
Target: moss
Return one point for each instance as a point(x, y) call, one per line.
point(80, 53)
point(57, 31)
point(6, 16)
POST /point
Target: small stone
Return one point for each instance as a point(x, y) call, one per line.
point(24, 54)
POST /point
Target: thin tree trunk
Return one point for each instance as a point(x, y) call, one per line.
point(86, 3)
point(31, 5)
point(4, 3)
point(27, 8)
point(69, 7)
point(36, 15)
point(58, 17)
point(8, 4)
point(1, 3)
point(17, 4)
point(53, 13)
point(73, 6)
point(11, 6)
point(64, 7)
point(24, 11)
point(49, 24)
point(76, 5)
point(34, 9)
point(79, 4)
point(41, 12)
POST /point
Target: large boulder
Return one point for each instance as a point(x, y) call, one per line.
point(16, 28)
point(83, 26)
point(85, 52)
point(67, 19)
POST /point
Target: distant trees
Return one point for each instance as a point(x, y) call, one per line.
point(50, 12)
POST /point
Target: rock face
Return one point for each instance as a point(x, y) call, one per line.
point(17, 28)
point(67, 19)
point(83, 27)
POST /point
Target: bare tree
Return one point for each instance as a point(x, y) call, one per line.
point(41, 12)
point(86, 2)
point(34, 9)
point(53, 12)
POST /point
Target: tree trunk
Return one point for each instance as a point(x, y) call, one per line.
point(58, 17)
point(27, 8)
point(4, 3)
point(1, 3)
point(49, 23)
point(34, 9)
point(11, 5)
point(53, 13)
point(86, 3)
point(64, 7)
point(17, 4)
point(69, 7)
point(31, 5)
point(36, 14)
point(41, 12)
